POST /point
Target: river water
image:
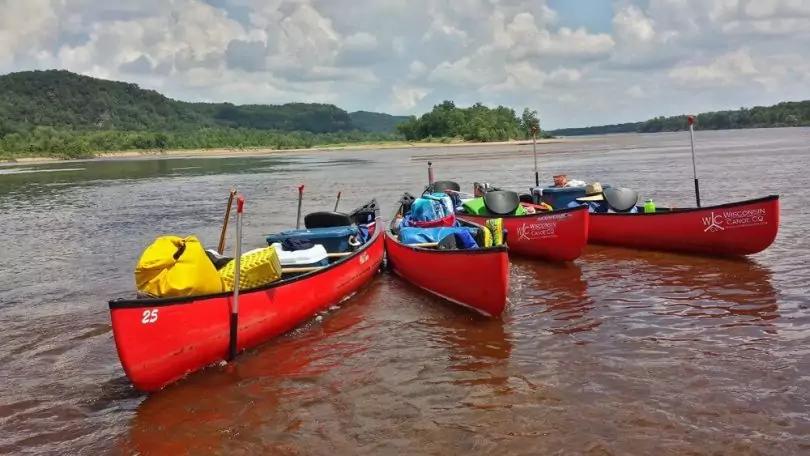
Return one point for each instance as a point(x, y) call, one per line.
point(623, 352)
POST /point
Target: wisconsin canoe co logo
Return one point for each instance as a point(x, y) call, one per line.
point(724, 220)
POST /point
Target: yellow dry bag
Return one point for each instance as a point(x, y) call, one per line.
point(173, 266)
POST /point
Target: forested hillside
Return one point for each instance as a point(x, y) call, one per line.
point(59, 113)
point(60, 99)
point(376, 122)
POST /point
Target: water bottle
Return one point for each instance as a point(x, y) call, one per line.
point(649, 206)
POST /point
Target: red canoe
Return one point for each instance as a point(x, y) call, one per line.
point(560, 235)
point(732, 229)
point(159, 341)
point(475, 278)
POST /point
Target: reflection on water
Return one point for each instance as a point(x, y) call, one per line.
point(683, 296)
point(556, 294)
point(622, 352)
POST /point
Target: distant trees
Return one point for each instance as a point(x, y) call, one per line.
point(476, 123)
point(785, 114)
point(57, 113)
point(62, 114)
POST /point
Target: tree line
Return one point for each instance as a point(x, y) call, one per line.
point(68, 143)
point(58, 113)
point(476, 123)
point(785, 114)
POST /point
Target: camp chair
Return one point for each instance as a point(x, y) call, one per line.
point(501, 202)
point(364, 214)
point(620, 199)
point(326, 219)
point(406, 200)
point(441, 186)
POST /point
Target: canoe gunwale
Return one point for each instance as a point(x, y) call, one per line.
point(565, 210)
point(685, 210)
point(128, 303)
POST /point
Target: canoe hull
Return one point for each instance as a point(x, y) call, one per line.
point(477, 279)
point(733, 229)
point(159, 341)
point(554, 236)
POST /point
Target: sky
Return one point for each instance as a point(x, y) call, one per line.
point(577, 62)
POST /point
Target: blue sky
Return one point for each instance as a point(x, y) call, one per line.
point(594, 15)
point(577, 62)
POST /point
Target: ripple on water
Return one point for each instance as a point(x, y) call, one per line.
point(622, 352)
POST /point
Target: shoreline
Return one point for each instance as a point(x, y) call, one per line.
point(227, 152)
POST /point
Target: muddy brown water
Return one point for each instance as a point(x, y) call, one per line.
point(622, 352)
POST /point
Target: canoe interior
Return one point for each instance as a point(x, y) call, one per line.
point(393, 233)
point(289, 275)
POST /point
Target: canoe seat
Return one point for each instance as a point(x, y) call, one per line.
point(441, 186)
point(620, 199)
point(334, 239)
point(326, 219)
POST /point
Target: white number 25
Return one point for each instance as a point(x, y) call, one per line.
point(149, 316)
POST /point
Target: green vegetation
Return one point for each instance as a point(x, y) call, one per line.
point(57, 113)
point(62, 114)
point(785, 114)
point(476, 123)
point(376, 122)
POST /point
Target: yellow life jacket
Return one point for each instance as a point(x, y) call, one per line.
point(495, 227)
point(173, 266)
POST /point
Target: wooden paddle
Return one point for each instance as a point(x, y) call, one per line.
point(221, 248)
point(300, 200)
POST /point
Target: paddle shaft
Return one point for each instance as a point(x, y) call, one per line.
point(430, 173)
point(534, 149)
point(300, 200)
point(221, 247)
point(691, 121)
point(234, 322)
point(337, 201)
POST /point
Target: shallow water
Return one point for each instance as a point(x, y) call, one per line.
point(622, 352)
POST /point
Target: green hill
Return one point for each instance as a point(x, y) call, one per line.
point(785, 114)
point(60, 113)
point(62, 99)
point(376, 122)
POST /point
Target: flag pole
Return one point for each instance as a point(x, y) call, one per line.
point(534, 148)
point(691, 121)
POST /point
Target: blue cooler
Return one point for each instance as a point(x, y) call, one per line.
point(558, 197)
point(334, 239)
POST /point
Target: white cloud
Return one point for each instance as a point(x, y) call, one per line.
point(652, 57)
